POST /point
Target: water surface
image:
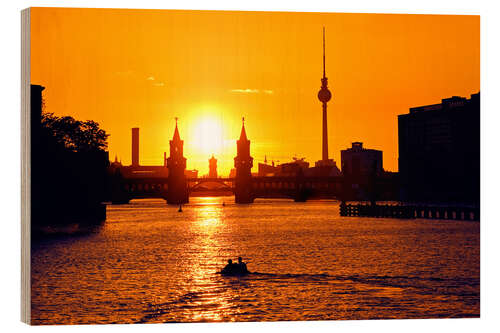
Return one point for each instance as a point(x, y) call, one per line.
point(150, 263)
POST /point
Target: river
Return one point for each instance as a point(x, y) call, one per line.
point(150, 263)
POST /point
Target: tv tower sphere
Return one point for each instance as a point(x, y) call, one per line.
point(324, 95)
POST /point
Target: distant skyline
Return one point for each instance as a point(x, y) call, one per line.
point(143, 68)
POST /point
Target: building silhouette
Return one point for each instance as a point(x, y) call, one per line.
point(266, 170)
point(176, 164)
point(288, 169)
point(243, 163)
point(359, 161)
point(36, 103)
point(439, 150)
point(212, 167)
point(362, 169)
point(115, 164)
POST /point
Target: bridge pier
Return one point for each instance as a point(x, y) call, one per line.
point(243, 193)
point(177, 192)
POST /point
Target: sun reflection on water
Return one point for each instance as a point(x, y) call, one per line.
point(209, 217)
point(212, 302)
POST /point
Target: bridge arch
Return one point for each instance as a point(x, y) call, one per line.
point(225, 183)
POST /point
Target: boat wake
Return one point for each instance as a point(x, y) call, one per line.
point(431, 283)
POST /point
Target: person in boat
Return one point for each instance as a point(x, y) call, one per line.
point(242, 267)
point(230, 267)
point(235, 269)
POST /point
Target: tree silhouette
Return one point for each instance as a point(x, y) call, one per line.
point(74, 135)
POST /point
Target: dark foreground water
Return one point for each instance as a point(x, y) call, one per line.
point(149, 263)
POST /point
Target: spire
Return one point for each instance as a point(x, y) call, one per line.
point(243, 135)
point(324, 70)
point(324, 95)
point(177, 137)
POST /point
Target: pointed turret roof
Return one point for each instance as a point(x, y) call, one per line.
point(177, 137)
point(243, 135)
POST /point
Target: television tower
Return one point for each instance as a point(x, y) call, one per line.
point(324, 95)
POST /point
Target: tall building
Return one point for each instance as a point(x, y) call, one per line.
point(439, 150)
point(243, 163)
point(177, 192)
point(324, 165)
point(362, 169)
point(212, 167)
point(36, 103)
point(324, 95)
point(135, 147)
point(359, 161)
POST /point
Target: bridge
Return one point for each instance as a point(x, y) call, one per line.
point(171, 183)
point(157, 187)
point(296, 188)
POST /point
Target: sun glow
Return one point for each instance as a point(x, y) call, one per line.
point(208, 136)
point(209, 130)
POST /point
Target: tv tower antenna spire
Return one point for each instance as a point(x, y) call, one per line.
point(324, 95)
point(324, 62)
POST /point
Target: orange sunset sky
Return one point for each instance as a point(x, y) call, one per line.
point(143, 68)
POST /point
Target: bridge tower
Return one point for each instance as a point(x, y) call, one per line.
point(243, 163)
point(212, 167)
point(177, 192)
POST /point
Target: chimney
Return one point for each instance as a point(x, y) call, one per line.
point(135, 147)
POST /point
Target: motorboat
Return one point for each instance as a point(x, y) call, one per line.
point(235, 270)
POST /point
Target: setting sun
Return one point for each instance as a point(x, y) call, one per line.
point(207, 136)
